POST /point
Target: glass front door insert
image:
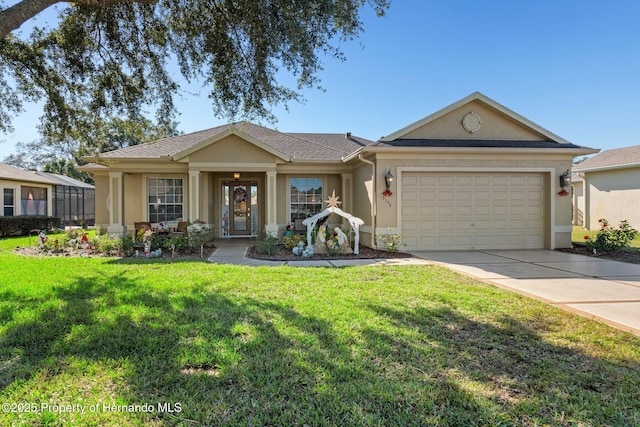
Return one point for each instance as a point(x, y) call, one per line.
point(239, 208)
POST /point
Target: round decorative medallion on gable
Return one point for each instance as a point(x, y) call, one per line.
point(471, 122)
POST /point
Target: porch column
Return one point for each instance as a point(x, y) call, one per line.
point(347, 192)
point(194, 195)
point(116, 204)
point(271, 226)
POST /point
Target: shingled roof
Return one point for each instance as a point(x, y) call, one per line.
point(611, 159)
point(12, 173)
point(297, 146)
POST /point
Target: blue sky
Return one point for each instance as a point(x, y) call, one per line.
point(572, 67)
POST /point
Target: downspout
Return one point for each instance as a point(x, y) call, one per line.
point(374, 204)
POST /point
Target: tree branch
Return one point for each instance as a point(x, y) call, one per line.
point(13, 17)
point(105, 3)
point(19, 13)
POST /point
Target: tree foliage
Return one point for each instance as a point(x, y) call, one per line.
point(109, 59)
point(62, 155)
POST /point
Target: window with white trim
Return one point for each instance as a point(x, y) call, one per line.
point(165, 199)
point(33, 200)
point(306, 197)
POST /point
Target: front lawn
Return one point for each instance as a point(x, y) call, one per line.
point(147, 342)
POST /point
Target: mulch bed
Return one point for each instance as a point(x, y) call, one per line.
point(625, 255)
point(166, 255)
point(284, 254)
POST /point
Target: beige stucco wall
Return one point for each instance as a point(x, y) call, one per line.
point(363, 200)
point(613, 195)
point(495, 125)
point(231, 149)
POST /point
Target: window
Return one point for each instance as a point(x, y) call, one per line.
point(33, 200)
point(306, 197)
point(8, 202)
point(165, 199)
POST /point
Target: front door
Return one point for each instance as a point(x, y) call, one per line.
point(239, 208)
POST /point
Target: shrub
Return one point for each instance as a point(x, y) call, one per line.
point(10, 225)
point(391, 242)
point(611, 239)
point(126, 245)
point(266, 244)
point(180, 243)
point(199, 235)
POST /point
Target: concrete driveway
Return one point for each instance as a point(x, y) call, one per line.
point(608, 291)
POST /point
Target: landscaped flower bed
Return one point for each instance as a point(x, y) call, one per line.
point(78, 242)
point(282, 253)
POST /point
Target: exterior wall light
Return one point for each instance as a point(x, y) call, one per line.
point(388, 180)
point(565, 179)
point(236, 175)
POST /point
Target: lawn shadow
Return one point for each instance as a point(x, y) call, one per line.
point(505, 373)
point(230, 359)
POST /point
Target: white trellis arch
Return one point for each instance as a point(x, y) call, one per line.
point(355, 223)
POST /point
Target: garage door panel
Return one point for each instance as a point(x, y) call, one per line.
point(464, 196)
point(445, 197)
point(426, 196)
point(463, 241)
point(483, 210)
point(428, 226)
point(427, 181)
point(473, 210)
point(500, 181)
point(446, 180)
point(445, 211)
point(464, 211)
point(482, 226)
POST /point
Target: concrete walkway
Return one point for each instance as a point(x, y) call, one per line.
point(234, 251)
point(597, 288)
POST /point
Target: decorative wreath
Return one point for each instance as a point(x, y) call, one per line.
point(239, 195)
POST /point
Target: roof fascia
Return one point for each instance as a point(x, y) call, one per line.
point(232, 131)
point(476, 96)
point(610, 167)
point(470, 150)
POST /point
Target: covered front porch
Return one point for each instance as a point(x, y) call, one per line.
point(232, 203)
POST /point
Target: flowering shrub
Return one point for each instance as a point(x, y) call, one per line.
point(332, 246)
point(290, 241)
point(611, 239)
point(391, 242)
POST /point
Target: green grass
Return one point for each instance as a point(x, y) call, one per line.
point(229, 345)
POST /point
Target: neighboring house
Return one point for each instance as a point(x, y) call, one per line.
point(577, 192)
point(24, 192)
point(41, 193)
point(73, 200)
point(608, 186)
point(474, 175)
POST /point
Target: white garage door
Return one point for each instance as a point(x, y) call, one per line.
point(443, 211)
